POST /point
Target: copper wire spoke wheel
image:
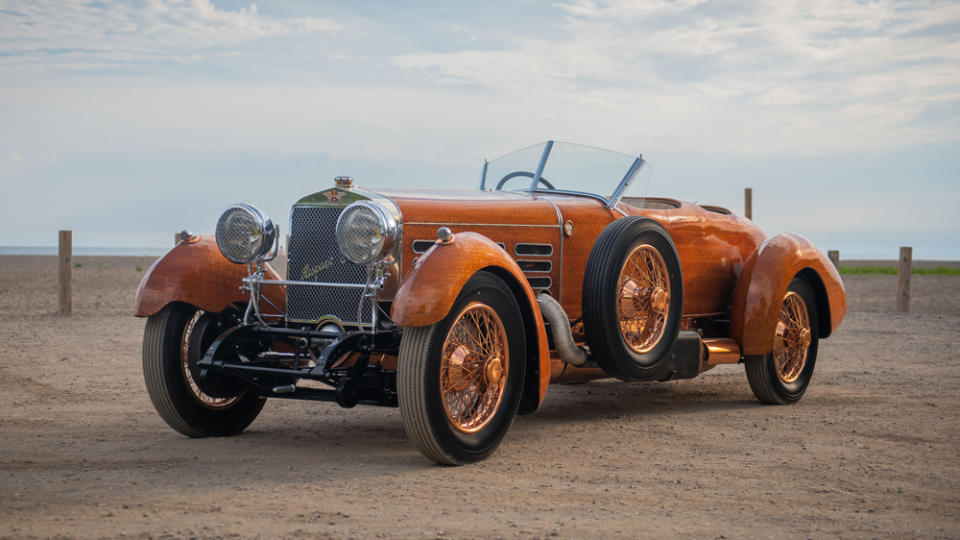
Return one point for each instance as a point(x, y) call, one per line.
point(203, 398)
point(643, 298)
point(473, 370)
point(792, 339)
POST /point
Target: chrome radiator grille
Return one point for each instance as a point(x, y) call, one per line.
point(314, 256)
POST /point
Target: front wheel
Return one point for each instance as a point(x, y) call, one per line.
point(174, 340)
point(782, 376)
point(459, 381)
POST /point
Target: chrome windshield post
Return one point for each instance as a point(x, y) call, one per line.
point(625, 183)
point(483, 175)
point(543, 163)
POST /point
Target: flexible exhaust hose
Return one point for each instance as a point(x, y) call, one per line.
point(569, 351)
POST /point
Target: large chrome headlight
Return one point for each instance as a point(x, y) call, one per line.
point(366, 232)
point(245, 233)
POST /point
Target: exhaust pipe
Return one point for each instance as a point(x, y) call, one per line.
point(569, 351)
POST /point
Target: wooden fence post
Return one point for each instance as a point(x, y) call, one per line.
point(834, 255)
point(903, 279)
point(65, 276)
point(748, 202)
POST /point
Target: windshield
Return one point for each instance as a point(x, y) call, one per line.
point(562, 167)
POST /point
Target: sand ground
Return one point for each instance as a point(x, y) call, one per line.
point(871, 451)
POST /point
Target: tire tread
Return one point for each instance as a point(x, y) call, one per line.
point(411, 387)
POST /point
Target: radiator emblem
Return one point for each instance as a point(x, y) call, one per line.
point(313, 271)
point(333, 195)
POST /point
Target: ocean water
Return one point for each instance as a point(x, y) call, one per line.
point(86, 251)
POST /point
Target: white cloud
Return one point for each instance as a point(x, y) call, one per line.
point(771, 76)
point(117, 32)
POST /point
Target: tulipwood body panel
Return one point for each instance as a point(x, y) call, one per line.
point(430, 289)
point(712, 243)
point(196, 273)
point(766, 277)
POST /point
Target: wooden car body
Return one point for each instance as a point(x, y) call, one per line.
point(536, 241)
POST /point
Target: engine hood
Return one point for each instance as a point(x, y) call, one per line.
point(422, 207)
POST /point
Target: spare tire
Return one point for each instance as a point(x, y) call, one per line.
point(632, 298)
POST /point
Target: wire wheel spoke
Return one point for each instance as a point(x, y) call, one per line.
point(643, 298)
point(473, 369)
point(189, 354)
point(792, 340)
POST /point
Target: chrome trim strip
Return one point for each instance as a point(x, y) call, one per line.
point(518, 254)
point(541, 165)
point(560, 258)
point(600, 198)
point(448, 224)
point(627, 179)
point(285, 282)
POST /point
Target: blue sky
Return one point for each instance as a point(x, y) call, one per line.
point(127, 120)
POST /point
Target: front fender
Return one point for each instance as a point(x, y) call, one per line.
point(196, 273)
point(764, 281)
point(430, 289)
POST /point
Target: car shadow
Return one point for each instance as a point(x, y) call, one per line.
point(318, 436)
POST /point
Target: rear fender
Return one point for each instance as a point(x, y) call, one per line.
point(763, 283)
point(196, 273)
point(430, 289)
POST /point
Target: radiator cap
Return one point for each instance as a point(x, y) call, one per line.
point(343, 182)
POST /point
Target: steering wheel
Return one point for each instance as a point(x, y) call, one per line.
point(515, 174)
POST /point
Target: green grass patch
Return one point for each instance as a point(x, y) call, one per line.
point(138, 269)
point(892, 271)
point(78, 265)
point(938, 271)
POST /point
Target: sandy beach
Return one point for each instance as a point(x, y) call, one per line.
point(871, 451)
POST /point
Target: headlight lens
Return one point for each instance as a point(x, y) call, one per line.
point(245, 233)
point(366, 232)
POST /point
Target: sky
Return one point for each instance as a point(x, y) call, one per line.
point(126, 121)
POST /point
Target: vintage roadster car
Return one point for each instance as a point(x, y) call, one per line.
point(462, 307)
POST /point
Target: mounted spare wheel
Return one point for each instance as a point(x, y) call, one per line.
point(632, 299)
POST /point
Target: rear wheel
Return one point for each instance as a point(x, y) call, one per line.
point(782, 376)
point(174, 340)
point(459, 381)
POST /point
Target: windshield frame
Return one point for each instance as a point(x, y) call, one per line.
point(609, 202)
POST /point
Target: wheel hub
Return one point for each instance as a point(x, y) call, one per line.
point(458, 372)
point(659, 300)
point(493, 371)
point(644, 298)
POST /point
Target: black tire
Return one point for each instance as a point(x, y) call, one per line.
point(185, 408)
point(419, 386)
point(601, 297)
point(762, 373)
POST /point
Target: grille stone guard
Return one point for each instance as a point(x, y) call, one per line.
point(315, 257)
point(255, 282)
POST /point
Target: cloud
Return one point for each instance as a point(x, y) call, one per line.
point(109, 33)
point(757, 77)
